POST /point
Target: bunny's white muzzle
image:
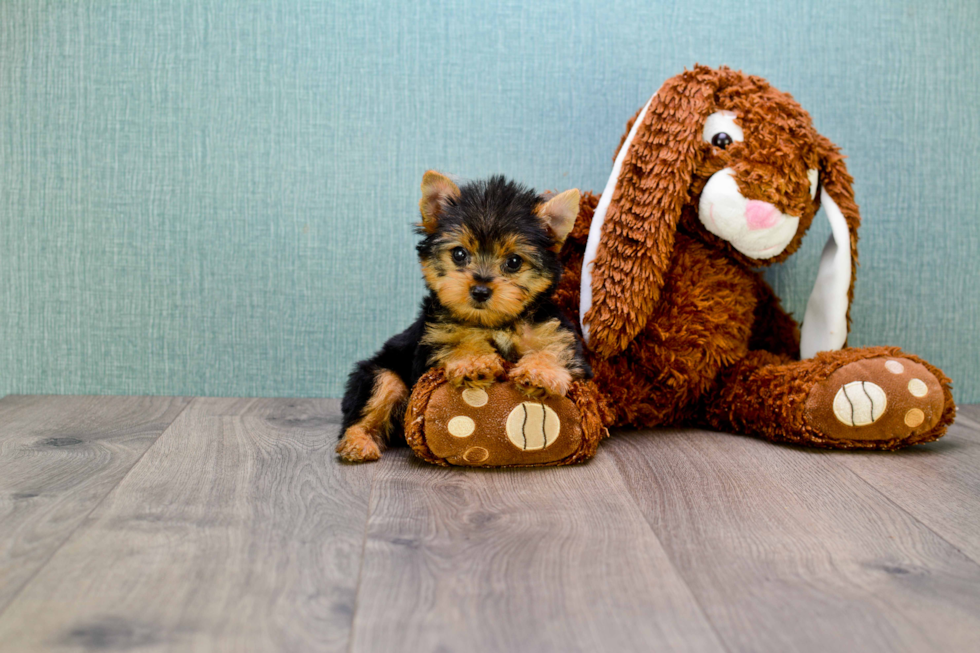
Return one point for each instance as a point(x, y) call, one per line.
point(757, 229)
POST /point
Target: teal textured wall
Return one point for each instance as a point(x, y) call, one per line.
point(216, 197)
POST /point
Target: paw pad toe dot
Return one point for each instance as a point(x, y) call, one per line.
point(894, 367)
point(461, 426)
point(476, 455)
point(914, 417)
point(918, 388)
point(475, 397)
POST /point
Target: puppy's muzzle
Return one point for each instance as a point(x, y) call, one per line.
point(480, 293)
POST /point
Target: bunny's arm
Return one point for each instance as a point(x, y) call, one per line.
point(702, 325)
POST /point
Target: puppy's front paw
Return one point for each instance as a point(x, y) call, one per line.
point(358, 446)
point(475, 371)
point(536, 378)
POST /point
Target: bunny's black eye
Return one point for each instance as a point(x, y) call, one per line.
point(513, 263)
point(722, 140)
point(459, 255)
point(721, 129)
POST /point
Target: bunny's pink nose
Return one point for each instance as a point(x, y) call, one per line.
point(761, 215)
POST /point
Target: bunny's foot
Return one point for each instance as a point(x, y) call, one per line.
point(862, 398)
point(886, 399)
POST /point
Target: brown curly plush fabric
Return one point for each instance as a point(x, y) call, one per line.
point(583, 409)
point(684, 329)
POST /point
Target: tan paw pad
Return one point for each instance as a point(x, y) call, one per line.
point(860, 403)
point(532, 426)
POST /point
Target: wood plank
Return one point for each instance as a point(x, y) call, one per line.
point(59, 457)
point(938, 483)
point(555, 559)
point(787, 550)
point(970, 412)
point(18, 402)
point(236, 531)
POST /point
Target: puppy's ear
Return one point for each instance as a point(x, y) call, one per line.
point(631, 238)
point(558, 215)
point(438, 191)
point(828, 311)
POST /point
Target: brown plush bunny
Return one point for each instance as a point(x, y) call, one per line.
point(718, 175)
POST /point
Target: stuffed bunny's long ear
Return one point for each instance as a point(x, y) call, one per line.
point(825, 320)
point(827, 317)
point(631, 239)
point(599, 217)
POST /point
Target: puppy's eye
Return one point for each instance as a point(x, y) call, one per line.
point(513, 263)
point(721, 130)
point(722, 140)
point(459, 255)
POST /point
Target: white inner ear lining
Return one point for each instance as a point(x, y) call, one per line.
point(813, 176)
point(599, 217)
point(825, 320)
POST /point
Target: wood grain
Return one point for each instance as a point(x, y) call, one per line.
point(938, 483)
point(787, 550)
point(59, 457)
point(237, 531)
point(555, 559)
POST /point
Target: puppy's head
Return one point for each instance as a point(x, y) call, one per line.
point(490, 248)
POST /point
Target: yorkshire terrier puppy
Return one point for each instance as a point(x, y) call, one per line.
point(489, 255)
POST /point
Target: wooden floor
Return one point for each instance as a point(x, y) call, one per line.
point(227, 525)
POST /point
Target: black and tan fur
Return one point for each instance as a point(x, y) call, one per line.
point(489, 256)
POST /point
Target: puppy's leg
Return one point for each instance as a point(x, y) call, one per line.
point(466, 355)
point(364, 438)
point(541, 373)
point(473, 368)
point(549, 360)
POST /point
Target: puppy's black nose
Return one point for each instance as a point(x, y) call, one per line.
point(480, 293)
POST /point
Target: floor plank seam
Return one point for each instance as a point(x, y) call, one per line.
point(670, 560)
point(897, 506)
point(360, 563)
point(81, 522)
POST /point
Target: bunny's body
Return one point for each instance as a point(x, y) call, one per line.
point(718, 175)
